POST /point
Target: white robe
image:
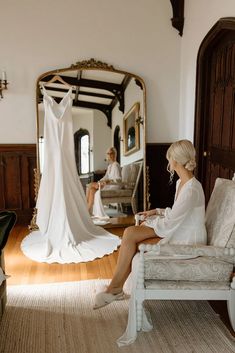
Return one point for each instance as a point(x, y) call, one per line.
point(184, 223)
point(112, 174)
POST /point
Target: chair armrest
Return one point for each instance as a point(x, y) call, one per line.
point(125, 185)
point(225, 254)
point(114, 182)
point(233, 280)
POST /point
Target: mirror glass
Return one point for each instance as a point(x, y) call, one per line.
point(108, 110)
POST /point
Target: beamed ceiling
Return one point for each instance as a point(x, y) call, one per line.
point(92, 89)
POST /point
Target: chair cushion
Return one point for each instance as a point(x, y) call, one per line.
point(231, 241)
point(155, 284)
point(2, 276)
point(191, 250)
point(116, 193)
point(200, 269)
point(130, 173)
point(220, 215)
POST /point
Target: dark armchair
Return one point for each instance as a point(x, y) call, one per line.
point(7, 222)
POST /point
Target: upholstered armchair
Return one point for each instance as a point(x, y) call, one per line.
point(128, 192)
point(189, 272)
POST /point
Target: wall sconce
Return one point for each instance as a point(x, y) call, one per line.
point(3, 83)
point(139, 120)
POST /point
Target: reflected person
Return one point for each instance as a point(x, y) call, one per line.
point(111, 179)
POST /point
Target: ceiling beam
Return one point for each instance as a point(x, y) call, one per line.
point(117, 93)
point(120, 96)
point(104, 108)
point(85, 93)
point(115, 88)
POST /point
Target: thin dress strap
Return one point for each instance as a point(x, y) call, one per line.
point(46, 95)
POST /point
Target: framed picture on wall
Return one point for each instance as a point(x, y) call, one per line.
point(131, 130)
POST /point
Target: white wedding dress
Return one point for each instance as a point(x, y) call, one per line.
point(66, 232)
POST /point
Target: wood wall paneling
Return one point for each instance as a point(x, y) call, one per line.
point(161, 192)
point(17, 163)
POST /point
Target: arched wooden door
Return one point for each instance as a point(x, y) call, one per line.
point(215, 105)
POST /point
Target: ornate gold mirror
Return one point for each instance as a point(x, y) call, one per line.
point(105, 114)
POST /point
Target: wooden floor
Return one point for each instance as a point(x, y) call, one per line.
point(25, 271)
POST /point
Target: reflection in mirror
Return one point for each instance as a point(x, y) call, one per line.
point(108, 110)
point(131, 130)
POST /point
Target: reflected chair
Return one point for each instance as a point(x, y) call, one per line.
point(128, 192)
point(191, 272)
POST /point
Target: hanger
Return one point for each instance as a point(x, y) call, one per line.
point(57, 78)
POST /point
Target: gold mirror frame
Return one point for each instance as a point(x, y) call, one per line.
point(91, 64)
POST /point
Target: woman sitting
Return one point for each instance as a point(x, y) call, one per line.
point(111, 179)
point(181, 224)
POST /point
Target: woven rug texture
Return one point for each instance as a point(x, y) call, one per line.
point(58, 318)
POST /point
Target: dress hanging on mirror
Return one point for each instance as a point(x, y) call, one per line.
point(66, 232)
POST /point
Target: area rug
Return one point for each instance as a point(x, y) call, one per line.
point(58, 318)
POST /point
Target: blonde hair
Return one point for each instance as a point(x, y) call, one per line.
point(183, 152)
point(113, 150)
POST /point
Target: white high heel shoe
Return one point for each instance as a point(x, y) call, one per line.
point(104, 298)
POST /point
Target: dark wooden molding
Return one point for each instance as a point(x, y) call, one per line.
point(117, 93)
point(18, 148)
point(119, 96)
point(160, 190)
point(117, 90)
point(139, 84)
point(178, 15)
point(81, 92)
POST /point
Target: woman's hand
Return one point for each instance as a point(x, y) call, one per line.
point(148, 213)
point(102, 183)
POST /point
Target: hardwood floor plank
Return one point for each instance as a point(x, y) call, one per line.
point(26, 271)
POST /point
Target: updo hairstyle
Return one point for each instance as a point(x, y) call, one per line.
point(183, 152)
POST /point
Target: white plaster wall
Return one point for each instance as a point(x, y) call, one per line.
point(200, 16)
point(117, 119)
point(83, 119)
point(133, 35)
point(102, 140)
point(133, 94)
point(100, 134)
